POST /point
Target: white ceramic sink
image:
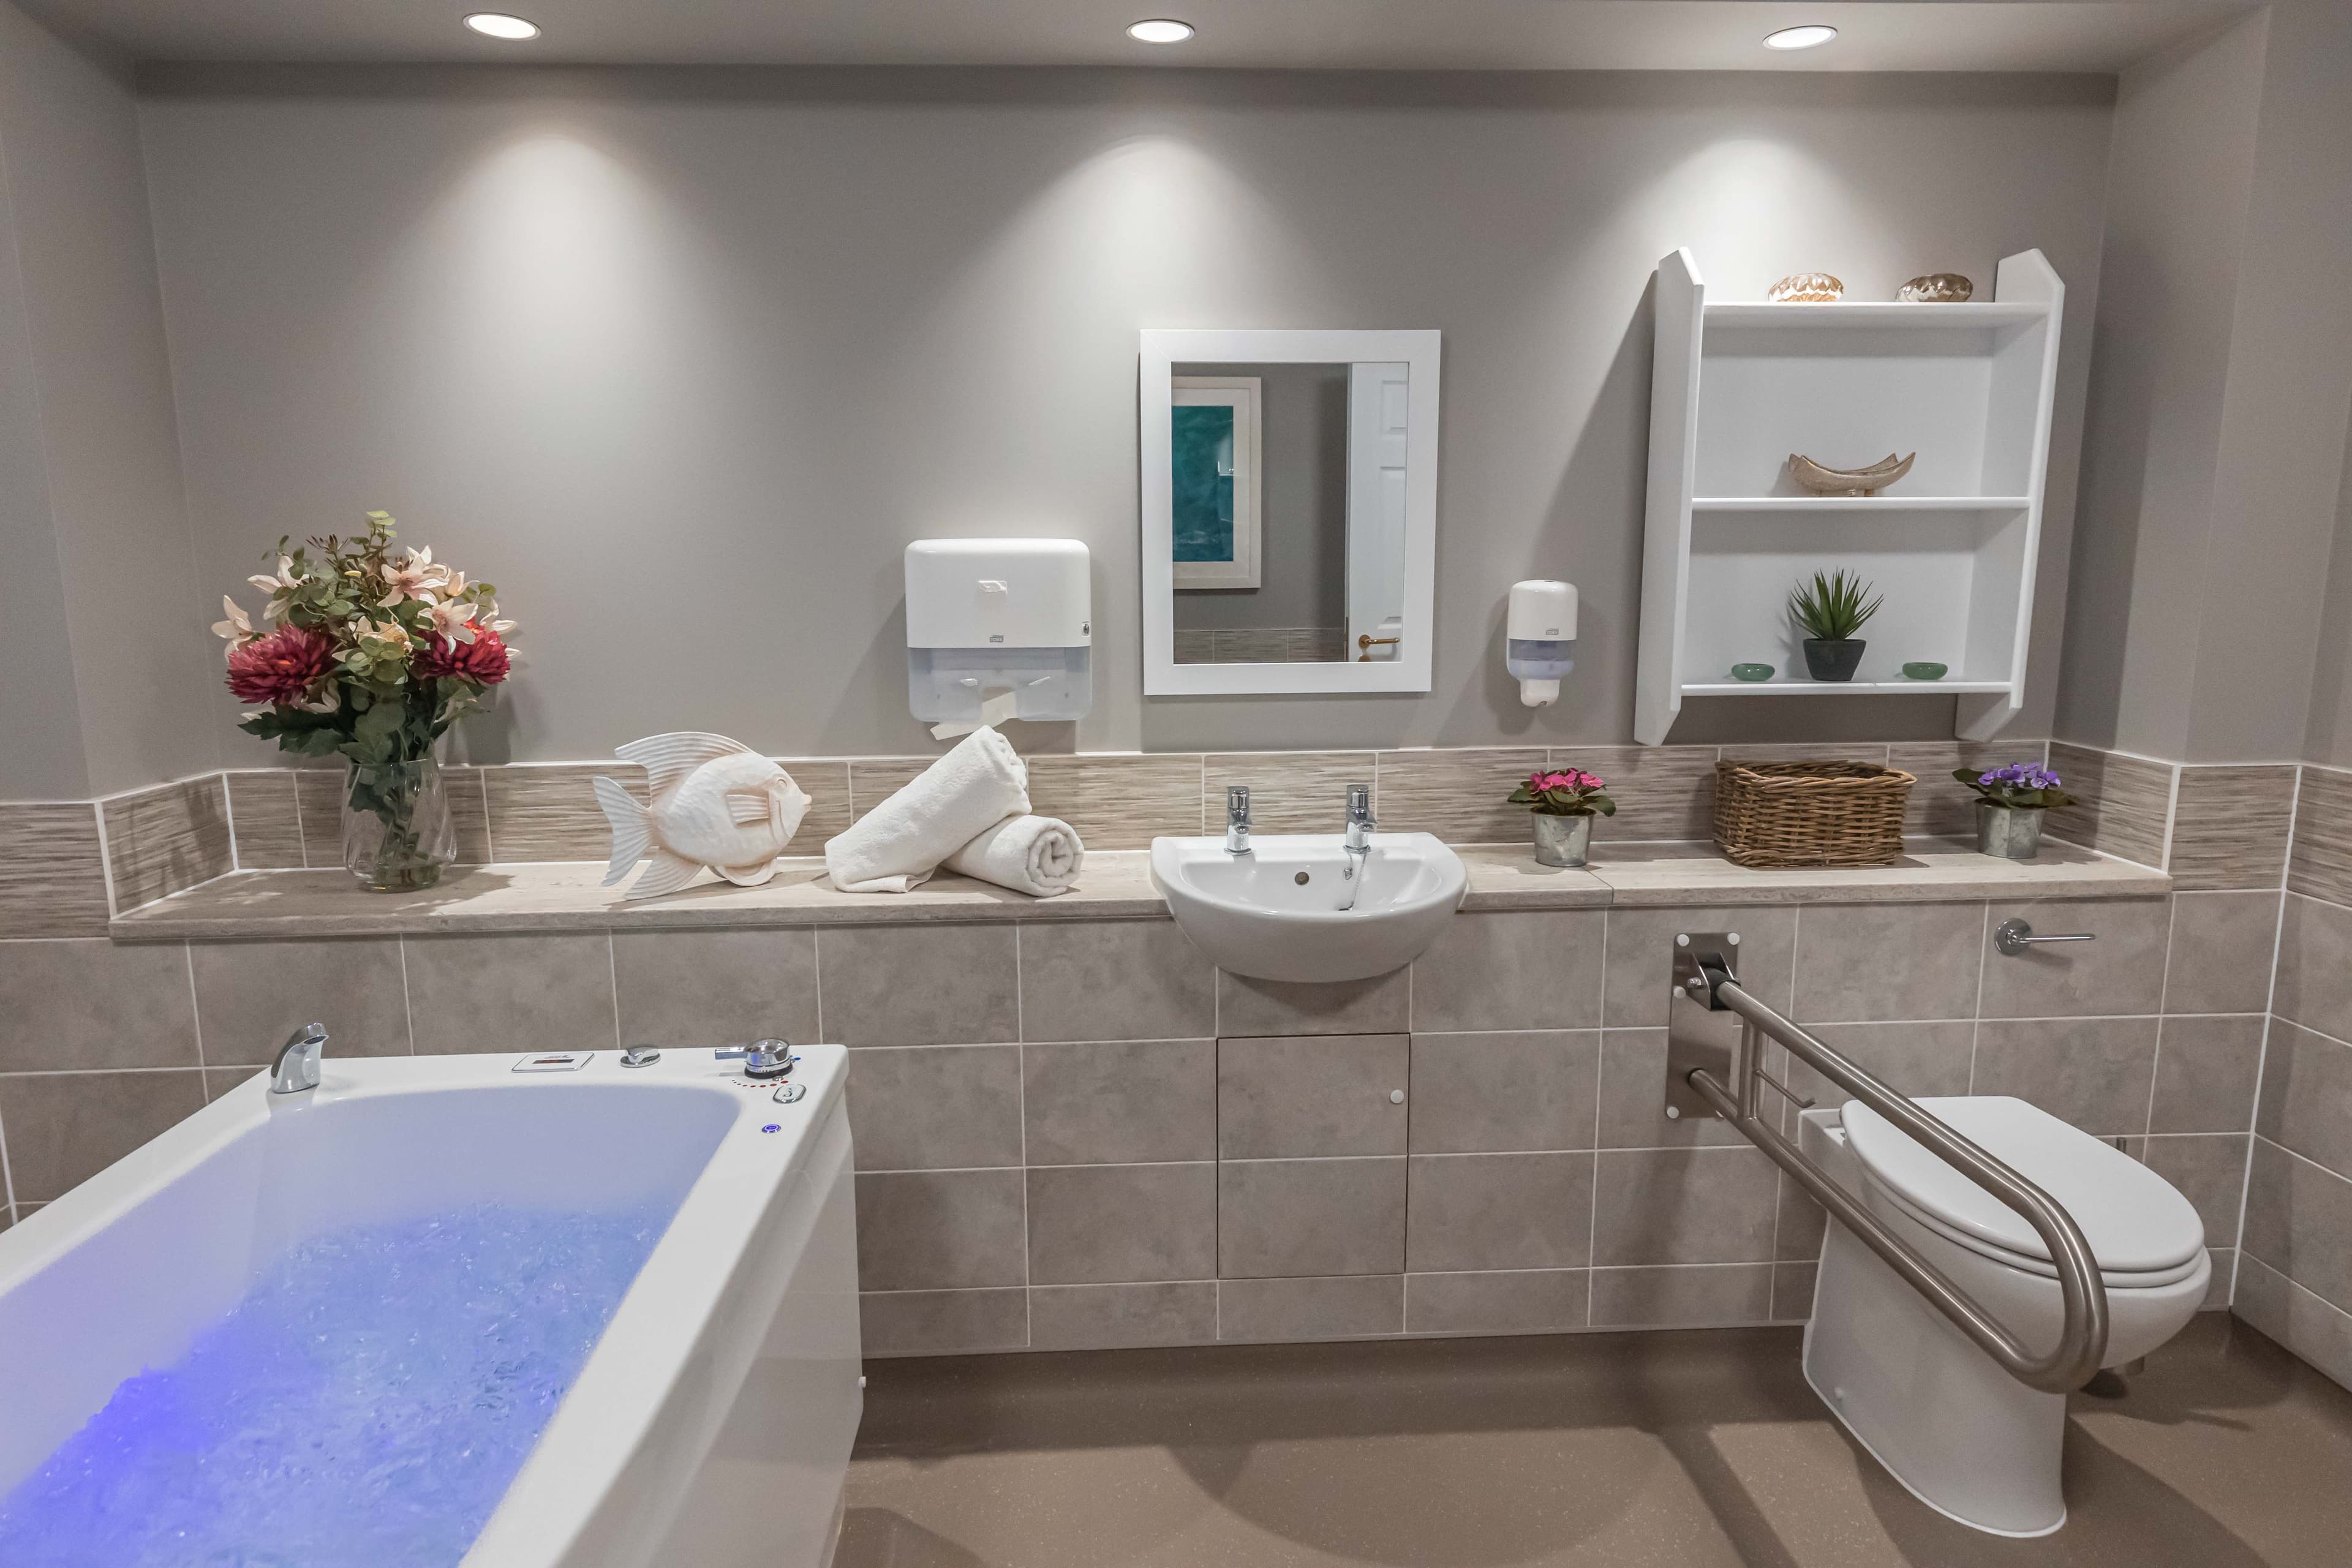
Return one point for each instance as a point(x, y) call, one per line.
point(1281, 913)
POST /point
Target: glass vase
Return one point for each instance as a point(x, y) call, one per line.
point(396, 832)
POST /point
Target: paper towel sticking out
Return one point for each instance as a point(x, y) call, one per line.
point(994, 708)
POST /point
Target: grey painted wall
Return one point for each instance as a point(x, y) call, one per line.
point(681, 361)
point(104, 656)
point(1303, 576)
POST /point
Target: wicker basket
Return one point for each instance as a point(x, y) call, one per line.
point(1810, 813)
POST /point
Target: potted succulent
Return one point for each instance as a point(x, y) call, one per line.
point(1830, 609)
point(1564, 800)
point(2010, 803)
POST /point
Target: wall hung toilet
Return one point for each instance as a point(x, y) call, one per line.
point(1964, 1436)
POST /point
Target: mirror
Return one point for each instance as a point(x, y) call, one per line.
point(1289, 492)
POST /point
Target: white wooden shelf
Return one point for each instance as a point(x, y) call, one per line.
point(1738, 387)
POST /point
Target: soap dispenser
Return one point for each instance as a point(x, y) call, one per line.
point(1541, 638)
point(998, 629)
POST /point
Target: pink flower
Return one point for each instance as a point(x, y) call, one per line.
point(1571, 778)
point(280, 668)
point(483, 661)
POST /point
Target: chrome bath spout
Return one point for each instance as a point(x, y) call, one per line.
point(297, 1071)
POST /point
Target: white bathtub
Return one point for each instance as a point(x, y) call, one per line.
point(711, 1425)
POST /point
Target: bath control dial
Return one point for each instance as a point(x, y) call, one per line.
point(761, 1060)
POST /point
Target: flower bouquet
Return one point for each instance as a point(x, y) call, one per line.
point(1564, 801)
point(370, 655)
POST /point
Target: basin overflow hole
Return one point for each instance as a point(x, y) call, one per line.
point(1302, 879)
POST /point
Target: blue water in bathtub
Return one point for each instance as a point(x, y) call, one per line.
point(365, 1406)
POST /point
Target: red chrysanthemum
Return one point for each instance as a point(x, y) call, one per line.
point(483, 661)
point(280, 668)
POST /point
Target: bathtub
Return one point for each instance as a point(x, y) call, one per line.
point(711, 1424)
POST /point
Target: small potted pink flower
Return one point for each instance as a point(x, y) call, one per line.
point(1564, 801)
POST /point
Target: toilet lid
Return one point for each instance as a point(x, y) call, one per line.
point(2134, 1219)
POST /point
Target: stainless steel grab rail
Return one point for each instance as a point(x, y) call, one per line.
point(2083, 1335)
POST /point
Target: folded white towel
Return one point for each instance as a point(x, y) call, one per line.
point(1039, 855)
point(896, 847)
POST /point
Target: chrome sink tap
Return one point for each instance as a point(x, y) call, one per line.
point(1237, 819)
point(296, 1070)
point(1358, 840)
point(761, 1060)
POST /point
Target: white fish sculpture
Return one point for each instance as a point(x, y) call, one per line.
point(716, 803)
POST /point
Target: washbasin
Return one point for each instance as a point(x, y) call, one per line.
point(1282, 911)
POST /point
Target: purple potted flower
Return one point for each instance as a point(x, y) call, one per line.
point(1564, 801)
point(2010, 803)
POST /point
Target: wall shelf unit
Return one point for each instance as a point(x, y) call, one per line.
point(1738, 387)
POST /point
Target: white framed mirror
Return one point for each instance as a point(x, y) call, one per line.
point(1289, 509)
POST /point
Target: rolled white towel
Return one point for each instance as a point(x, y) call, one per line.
point(1038, 854)
point(896, 847)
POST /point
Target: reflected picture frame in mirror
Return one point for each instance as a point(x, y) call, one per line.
point(1395, 369)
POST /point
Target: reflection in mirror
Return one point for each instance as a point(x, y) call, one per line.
point(1287, 487)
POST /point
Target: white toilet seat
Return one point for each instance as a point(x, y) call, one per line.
point(2142, 1232)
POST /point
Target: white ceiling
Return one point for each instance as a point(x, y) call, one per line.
point(1525, 34)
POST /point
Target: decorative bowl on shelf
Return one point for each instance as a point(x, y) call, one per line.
point(1936, 289)
point(1807, 288)
point(1926, 669)
point(1751, 672)
point(1827, 481)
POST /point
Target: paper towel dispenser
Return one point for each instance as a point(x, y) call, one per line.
point(997, 629)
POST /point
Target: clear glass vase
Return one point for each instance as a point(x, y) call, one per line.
point(396, 832)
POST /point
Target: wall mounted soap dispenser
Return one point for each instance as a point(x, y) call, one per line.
point(998, 629)
point(1541, 638)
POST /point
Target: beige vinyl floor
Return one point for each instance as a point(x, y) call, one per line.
point(1689, 1448)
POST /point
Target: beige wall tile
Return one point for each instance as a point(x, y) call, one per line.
point(1459, 795)
point(919, 985)
point(1872, 752)
point(86, 1003)
point(549, 812)
point(2314, 966)
point(1109, 1223)
point(931, 1230)
point(1522, 1301)
point(1860, 962)
point(167, 838)
point(1121, 1101)
point(873, 780)
point(1311, 1096)
point(1120, 802)
point(942, 1323)
point(1534, 970)
point(1115, 1317)
point(267, 822)
point(1793, 1292)
point(825, 781)
point(2298, 1220)
point(2122, 971)
point(1290, 792)
point(1115, 979)
point(1682, 1298)
point(252, 996)
point(2206, 1065)
point(52, 877)
point(2221, 947)
point(1797, 1234)
point(1683, 1206)
point(1634, 1097)
point(1246, 1005)
point(2093, 1072)
point(318, 796)
point(932, 1107)
point(520, 994)
point(1498, 1211)
point(64, 1128)
point(1914, 1059)
point(1294, 1217)
point(1341, 1308)
point(2122, 804)
point(1641, 957)
point(1940, 806)
point(694, 990)
point(2321, 861)
point(2310, 1326)
point(2208, 1170)
point(1532, 1090)
point(1662, 793)
point(2229, 827)
point(2306, 1097)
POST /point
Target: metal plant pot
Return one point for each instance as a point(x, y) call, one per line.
point(2011, 832)
point(1834, 660)
point(1562, 841)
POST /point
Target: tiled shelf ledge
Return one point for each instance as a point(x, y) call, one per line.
point(565, 896)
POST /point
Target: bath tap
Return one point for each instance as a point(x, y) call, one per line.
point(762, 1059)
point(1237, 819)
point(298, 1061)
point(1358, 841)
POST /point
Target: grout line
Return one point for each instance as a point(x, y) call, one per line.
point(228, 815)
point(195, 1013)
point(7, 1175)
point(1021, 1062)
point(816, 976)
point(2269, 1023)
point(407, 1004)
point(301, 833)
point(105, 861)
point(613, 977)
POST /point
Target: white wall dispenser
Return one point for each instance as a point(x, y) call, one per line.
point(1541, 638)
point(998, 629)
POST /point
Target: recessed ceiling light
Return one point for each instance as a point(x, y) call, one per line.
point(1160, 30)
point(498, 25)
point(1811, 38)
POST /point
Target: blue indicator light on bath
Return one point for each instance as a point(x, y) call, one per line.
point(1541, 638)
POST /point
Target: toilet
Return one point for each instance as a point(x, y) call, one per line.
point(1964, 1436)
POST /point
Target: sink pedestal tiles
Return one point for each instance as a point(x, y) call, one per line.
point(1296, 908)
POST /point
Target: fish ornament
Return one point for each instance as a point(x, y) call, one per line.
point(716, 803)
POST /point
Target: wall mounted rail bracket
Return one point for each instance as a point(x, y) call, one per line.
point(1699, 1032)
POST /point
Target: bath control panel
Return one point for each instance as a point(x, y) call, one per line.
point(555, 1061)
